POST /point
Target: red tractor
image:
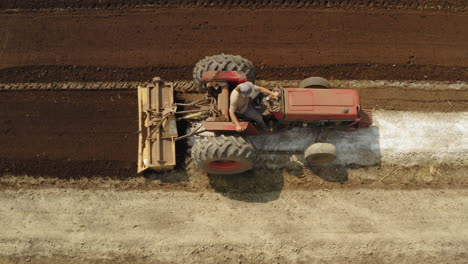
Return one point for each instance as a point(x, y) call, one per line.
point(224, 150)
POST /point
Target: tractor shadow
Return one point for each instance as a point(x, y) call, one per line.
point(178, 175)
point(331, 173)
point(357, 149)
point(256, 186)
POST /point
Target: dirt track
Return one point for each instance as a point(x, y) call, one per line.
point(362, 226)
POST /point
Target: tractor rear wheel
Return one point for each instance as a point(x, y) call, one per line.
point(315, 82)
point(223, 154)
point(222, 62)
point(319, 153)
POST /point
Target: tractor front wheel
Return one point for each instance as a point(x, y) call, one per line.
point(223, 154)
point(315, 82)
point(319, 153)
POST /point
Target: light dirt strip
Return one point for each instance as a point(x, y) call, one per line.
point(397, 138)
point(422, 85)
point(183, 85)
point(291, 226)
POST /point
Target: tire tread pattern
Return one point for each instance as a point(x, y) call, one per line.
point(222, 62)
point(207, 149)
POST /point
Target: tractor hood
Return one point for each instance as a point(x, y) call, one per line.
point(320, 104)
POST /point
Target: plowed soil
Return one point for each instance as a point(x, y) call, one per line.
point(451, 5)
point(71, 134)
point(135, 44)
point(352, 71)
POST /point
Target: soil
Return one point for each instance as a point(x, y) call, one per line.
point(449, 5)
point(351, 43)
point(353, 71)
point(69, 191)
point(326, 226)
point(70, 134)
point(259, 181)
point(69, 131)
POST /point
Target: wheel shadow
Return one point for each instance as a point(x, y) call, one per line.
point(331, 173)
point(177, 175)
point(354, 149)
point(256, 186)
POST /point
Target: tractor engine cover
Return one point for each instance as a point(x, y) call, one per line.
point(307, 104)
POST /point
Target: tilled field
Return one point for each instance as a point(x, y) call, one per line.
point(425, 41)
point(75, 133)
point(68, 133)
point(451, 5)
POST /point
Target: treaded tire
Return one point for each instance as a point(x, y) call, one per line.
point(222, 62)
point(319, 153)
point(223, 154)
point(315, 82)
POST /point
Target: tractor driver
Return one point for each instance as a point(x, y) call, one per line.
point(240, 103)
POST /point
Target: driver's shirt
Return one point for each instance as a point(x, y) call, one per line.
point(239, 104)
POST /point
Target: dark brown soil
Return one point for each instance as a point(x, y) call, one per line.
point(287, 42)
point(69, 168)
point(67, 134)
point(450, 5)
point(351, 71)
point(71, 134)
point(414, 99)
point(55, 73)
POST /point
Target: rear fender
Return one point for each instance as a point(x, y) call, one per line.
point(227, 76)
point(249, 128)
